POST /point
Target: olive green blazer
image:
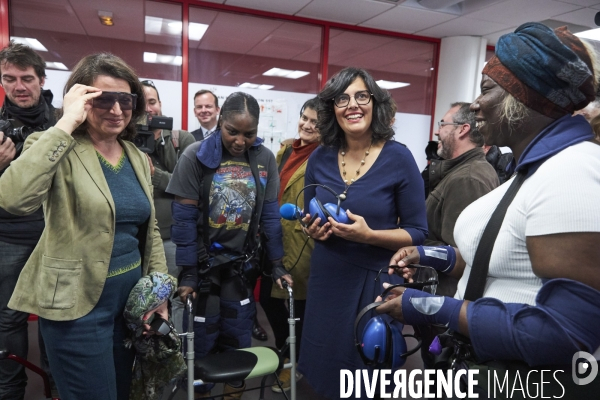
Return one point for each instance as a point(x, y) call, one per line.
point(65, 274)
point(294, 237)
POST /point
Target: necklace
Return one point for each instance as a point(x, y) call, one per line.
point(362, 162)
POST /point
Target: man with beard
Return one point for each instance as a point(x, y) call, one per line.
point(462, 176)
point(28, 108)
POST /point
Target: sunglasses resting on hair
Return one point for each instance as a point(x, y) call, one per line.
point(107, 100)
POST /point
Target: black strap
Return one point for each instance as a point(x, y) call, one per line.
point(284, 158)
point(481, 262)
point(206, 184)
point(250, 244)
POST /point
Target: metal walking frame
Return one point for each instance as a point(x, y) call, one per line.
point(235, 362)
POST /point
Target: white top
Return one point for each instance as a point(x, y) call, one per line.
point(561, 196)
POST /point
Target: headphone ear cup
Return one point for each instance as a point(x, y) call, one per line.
point(398, 347)
point(375, 340)
point(340, 217)
point(314, 209)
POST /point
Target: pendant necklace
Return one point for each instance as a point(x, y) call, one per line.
point(352, 180)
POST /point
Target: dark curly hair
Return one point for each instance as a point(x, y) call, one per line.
point(23, 56)
point(332, 134)
point(239, 103)
point(94, 65)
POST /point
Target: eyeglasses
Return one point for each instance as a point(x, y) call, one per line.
point(362, 98)
point(442, 123)
point(148, 82)
point(107, 100)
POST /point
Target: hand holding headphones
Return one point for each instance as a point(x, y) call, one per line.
point(313, 228)
point(358, 231)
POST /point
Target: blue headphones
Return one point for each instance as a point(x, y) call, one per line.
point(316, 209)
point(382, 343)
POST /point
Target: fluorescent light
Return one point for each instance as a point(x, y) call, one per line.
point(174, 27)
point(33, 43)
point(255, 86)
point(592, 34)
point(56, 65)
point(196, 31)
point(285, 73)
point(150, 57)
point(163, 26)
point(153, 25)
point(391, 85)
point(154, 58)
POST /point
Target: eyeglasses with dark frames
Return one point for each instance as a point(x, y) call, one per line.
point(443, 123)
point(107, 100)
point(362, 98)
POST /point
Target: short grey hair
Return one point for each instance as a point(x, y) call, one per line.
point(464, 115)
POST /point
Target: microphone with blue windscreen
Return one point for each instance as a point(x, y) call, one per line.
point(290, 212)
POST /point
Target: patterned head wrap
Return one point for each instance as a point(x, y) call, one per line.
point(549, 71)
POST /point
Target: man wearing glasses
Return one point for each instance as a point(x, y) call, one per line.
point(168, 145)
point(27, 108)
point(206, 109)
point(462, 176)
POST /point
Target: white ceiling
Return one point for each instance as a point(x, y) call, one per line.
point(485, 18)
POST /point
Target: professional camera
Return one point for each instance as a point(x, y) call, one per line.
point(18, 134)
point(144, 139)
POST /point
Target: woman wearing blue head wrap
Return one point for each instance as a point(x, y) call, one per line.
point(534, 300)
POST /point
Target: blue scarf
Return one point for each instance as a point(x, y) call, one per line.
point(562, 133)
point(211, 149)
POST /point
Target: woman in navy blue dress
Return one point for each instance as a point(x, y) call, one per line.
point(383, 192)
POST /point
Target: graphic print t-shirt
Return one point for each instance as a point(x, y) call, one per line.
point(231, 201)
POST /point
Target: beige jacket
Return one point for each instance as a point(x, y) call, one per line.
point(65, 275)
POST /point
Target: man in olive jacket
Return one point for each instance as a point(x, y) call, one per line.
point(461, 177)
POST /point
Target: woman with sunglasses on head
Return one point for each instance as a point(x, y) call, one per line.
point(381, 190)
point(101, 235)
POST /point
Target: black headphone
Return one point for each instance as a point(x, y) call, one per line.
point(382, 343)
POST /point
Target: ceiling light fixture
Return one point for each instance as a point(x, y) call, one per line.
point(391, 85)
point(285, 73)
point(33, 43)
point(154, 58)
point(158, 26)
point(106, 18)
point(256, 86)
point(56, 65)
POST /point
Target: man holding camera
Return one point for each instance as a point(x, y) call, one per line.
point(27, 108)
point(168, 145)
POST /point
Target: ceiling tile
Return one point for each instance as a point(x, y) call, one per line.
point(290, 7)
point(407, 19)
point(584, 3)
point(517, 12)
point(351, 12)
point(463, 26)
point(492, 38)
point(584, 16)
point(234, 33)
